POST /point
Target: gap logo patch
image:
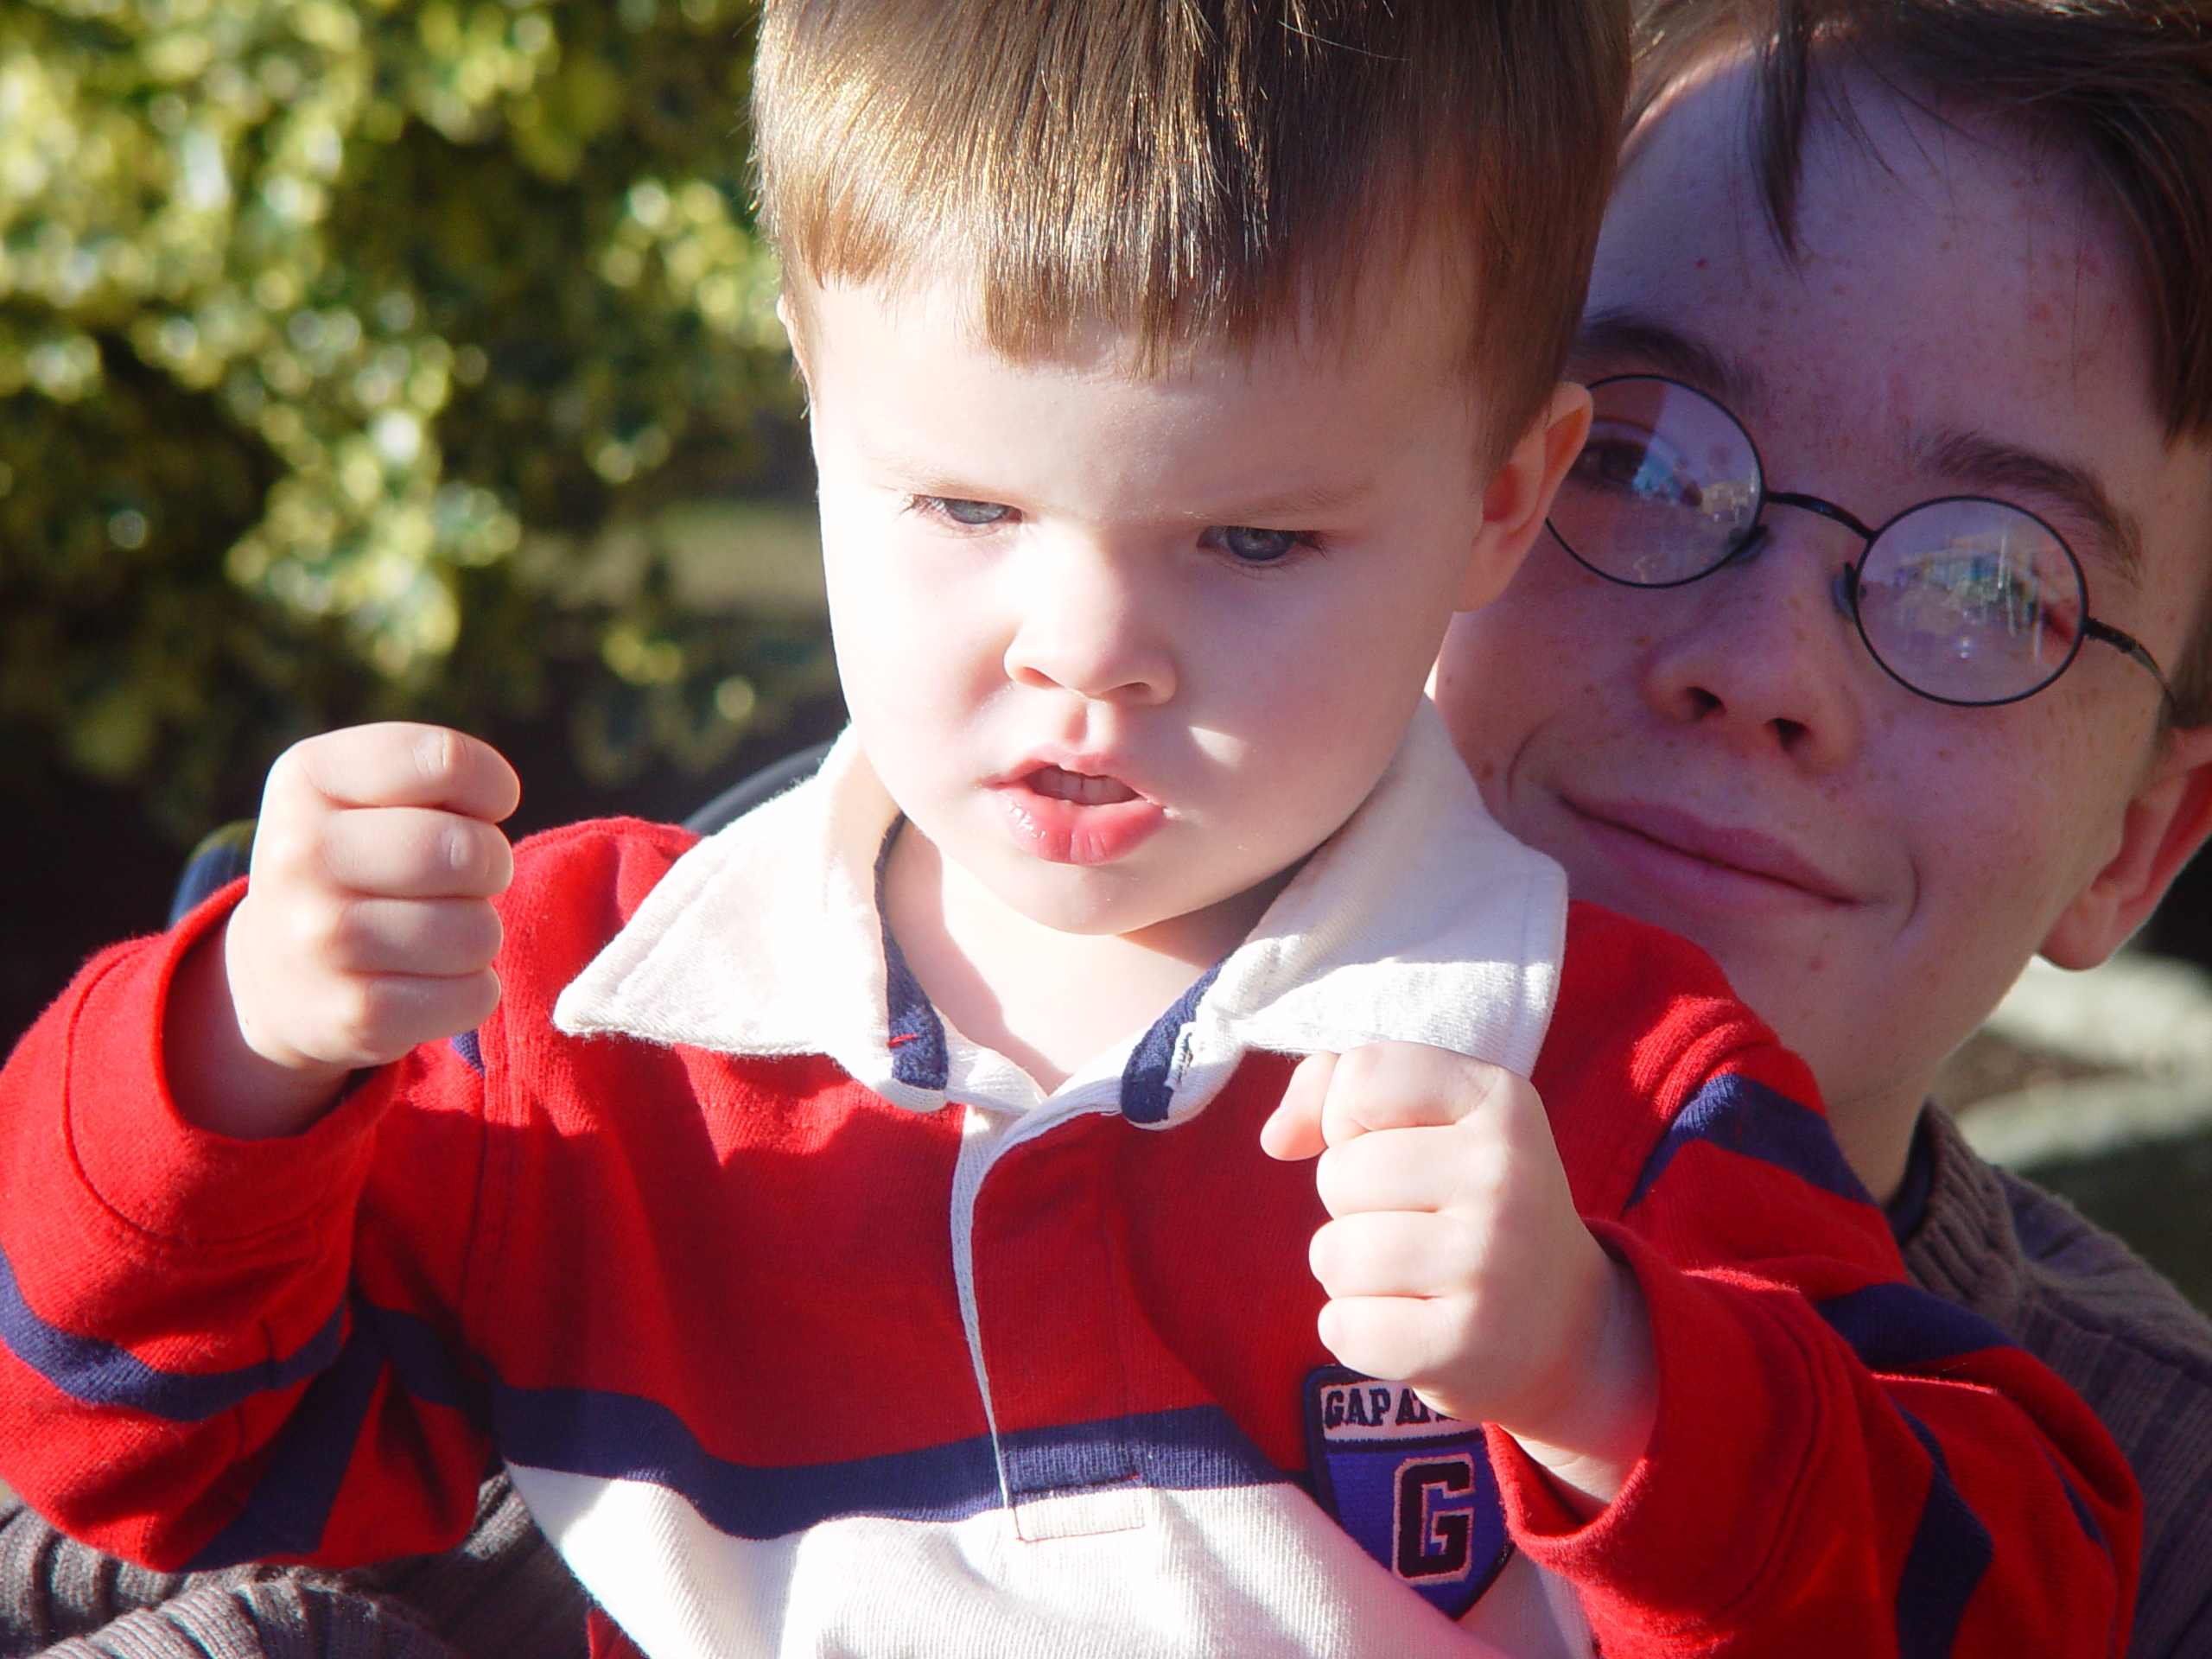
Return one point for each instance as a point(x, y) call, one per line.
point(1414, 1488)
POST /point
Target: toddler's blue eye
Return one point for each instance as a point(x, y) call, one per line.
point(975, 514)
point(1251, 545)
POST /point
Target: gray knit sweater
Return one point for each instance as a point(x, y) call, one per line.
point(2128, 1342)
point(502, 1595)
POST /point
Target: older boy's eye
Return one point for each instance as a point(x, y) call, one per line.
point(1253, 546)
point(975, 514)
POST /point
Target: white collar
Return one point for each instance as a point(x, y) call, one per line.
point(1419, 920)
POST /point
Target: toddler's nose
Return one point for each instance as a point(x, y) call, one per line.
point(1086, 625)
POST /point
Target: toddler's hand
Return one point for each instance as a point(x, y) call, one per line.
point(1456, 1260)
point(368, 926)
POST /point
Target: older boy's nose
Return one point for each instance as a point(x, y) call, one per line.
point(1759, 653)
point(1086, 624)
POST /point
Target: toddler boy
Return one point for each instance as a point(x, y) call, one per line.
point(824, 1223)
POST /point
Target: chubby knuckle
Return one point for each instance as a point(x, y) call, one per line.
point(494, 860)
point(349, 924)
point(357, 1016)
point(320, 856)
point(1372, 1336)
point(436, 752)
point(1503, 1094)
point(1332, 1180)
point(1360, 1069)
point(478, 995)
point(324, 765)
point(476, 932)
point(1487, 1181)
point(1324, 1256)
point(301, 926)
point(1357, 1176)
point(299, 759)
point(459, 851)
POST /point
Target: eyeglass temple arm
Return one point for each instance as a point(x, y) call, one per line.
point(2128, 645)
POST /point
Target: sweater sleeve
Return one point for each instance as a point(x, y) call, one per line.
point(219, 1351)
point(1842, 1463)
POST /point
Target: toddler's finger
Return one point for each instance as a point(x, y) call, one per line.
point(1413, 1169)
point(1391, 1252)
point(1398, 1339)
point(1398, 1085)
point(441, 938)
point(410, 852)
point(1293, 1129)
point(372, 1018)
point(399, 763)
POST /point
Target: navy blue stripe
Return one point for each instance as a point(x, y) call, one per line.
point(471, 1049)
point(1196, 1449)
point(2095, 1533)
point(421, 1362)
point(1950, 1553)
point(100, 1373)
point(1147, 1088)
point(625, 1436)
point(1750, 1119)
point(1902, 1328)
point(291, 1501)
point(916, 1034)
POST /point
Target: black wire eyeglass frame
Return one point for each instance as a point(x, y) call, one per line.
point(1746, 542)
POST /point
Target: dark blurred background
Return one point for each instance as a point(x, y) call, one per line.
point(381, 358)
point(362, 358)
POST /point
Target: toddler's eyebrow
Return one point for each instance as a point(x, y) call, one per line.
point(922, 475)
point(1298, 500)
point(1617, 333)
point(1982, 462)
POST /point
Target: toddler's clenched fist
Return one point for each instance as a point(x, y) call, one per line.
point(368, 926)
point(1457, 1263)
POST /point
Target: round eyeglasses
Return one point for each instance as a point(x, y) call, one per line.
point(1964, 599)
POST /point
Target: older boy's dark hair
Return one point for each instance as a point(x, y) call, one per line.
point(1201, 171)
point(2121, 88)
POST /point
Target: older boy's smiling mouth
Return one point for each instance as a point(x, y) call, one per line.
point(1669, 848)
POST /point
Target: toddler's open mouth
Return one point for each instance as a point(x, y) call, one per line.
point(1077, 817)
point(1078, 788)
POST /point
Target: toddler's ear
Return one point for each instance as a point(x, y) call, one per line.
point(1520, 492)
point(2166, 821)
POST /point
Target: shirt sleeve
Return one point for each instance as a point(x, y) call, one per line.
point(215, 1350)
point(1842, 1463)
point(194, 1373)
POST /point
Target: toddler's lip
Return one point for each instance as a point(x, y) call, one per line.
point(1078, 813)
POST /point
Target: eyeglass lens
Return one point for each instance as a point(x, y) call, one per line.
point(1965, 598)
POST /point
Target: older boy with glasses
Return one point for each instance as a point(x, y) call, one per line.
point(1869, 647)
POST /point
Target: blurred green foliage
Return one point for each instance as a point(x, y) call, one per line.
point(363, 356)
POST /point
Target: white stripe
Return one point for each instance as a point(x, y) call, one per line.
point(1255, 1572)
